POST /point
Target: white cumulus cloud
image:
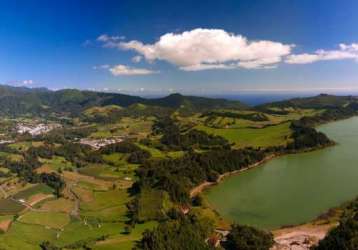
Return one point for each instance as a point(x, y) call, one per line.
point(344, 52)
point(129, 71)
point(200, 49)
point(205, 66)
point(206, 49)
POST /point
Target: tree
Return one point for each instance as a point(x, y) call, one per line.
point(185, 233)
point(248, 238)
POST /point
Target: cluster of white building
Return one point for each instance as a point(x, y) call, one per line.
point(99, 143)
point(36, 129)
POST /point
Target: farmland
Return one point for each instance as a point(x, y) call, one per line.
point(106, 174)
point(252, 137)
point(92, 208)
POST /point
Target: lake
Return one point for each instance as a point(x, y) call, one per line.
point(296, 188)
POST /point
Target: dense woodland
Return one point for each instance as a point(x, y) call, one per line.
point(174, 139)
point(249, 238)
point(189, 232)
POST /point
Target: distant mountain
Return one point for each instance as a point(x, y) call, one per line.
point(322, 101)
point(194, 103)
point(22, 100)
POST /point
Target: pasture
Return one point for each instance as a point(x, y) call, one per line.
point(54, 220)
point(253, 137)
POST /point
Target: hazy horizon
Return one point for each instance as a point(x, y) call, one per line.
point(168, 46)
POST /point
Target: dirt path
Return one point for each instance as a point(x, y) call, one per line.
point(75, 211)
point(33, 203)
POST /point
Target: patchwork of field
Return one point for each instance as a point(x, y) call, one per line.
point(156, 153)
point(127, 126)
point(241, 119)
point(92, 211)
point(55, 164)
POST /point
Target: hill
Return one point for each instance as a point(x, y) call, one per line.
point(21, 100)
point(322, 101)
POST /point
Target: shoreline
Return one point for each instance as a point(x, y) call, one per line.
point(201, 187)
point(301, 236)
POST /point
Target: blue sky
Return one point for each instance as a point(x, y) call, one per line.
point(199, 47)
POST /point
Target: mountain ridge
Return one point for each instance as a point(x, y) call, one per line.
point(22, 100)
point(28, 100)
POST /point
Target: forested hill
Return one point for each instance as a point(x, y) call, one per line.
point(322, 101)
point(21, 100)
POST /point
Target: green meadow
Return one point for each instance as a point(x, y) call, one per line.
point(253, 137)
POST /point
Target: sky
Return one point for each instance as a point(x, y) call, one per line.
point(193, 47)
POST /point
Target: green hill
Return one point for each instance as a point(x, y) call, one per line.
point(322, 101)
point(21, 100)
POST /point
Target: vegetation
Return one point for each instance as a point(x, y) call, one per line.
point(307, 137)
point(135, 192)
point(248, 238)
point(178, 176)
point(252, 137)
point(174, 139)
point(150, 205)
point(136, 154)
point(176, 234)
point(345, 236)
point(20, 101)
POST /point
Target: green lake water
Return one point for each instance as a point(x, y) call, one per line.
point(296, 188)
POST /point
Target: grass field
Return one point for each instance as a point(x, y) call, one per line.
point(153, 204)
point(103, 215)
point(124, 242)
point(106, 206)
point(100, 171)
point(156, 153)
point(25, 236)
point(14, 157)
point(106, 199)
point(87, 232)
point(54, 220)
point(89, 181)
point(58, 205)
point(101, 111)
point(36, 189)
point(20, 146)
point(8, 206)
point(245, 137)
point(140, 127)
point(56, 163)
point(217, 121)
